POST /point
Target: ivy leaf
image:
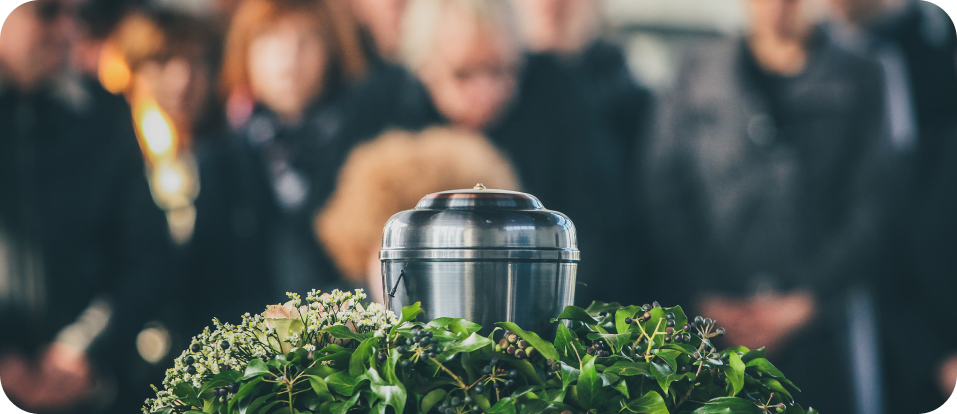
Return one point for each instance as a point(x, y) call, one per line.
point(565, 342)
point(342, 383)
point(392, 394)
point(664, 374)
point(504, 406)
point(775, 385)
point(451, 324)
point(535, 406)
point(408, 314)
point(569, 375)
point(544, 347)
point(622, 387)
point(320, 388)
point(629, 369)
point(650, 403)
point(432, 398)
point(575, 313)
point(735, 372)
point(751, 355)
point(589, 385)
point(343, 332)
point(256, 368)
point(764, 366)
point(473, 343)
point(729, 405)
point(254, 405)
point(343, 407)
point(362, 357)
point(623, 313)
point(670, 357)
point(246, 389)
point(597, 307)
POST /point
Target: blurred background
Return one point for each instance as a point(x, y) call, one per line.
point(786, 167)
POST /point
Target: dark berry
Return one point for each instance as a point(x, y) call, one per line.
point(196, 347)
point(456, 401)
point(549, 374)
point(479, 389)
point(720, 331)
point(409, 341)
point(549, 361)
point(382, 357)
point(191, 370)
point(493, 362)
point(434, 347)
point(556, 367)
point(429, 334)
point(476, 409)
point(232, 387)
point(402, 349)
point(590, 351)
point(697, 355)
point(446, 403)
point(224, 344)
point(670, 323)
point(217, 392)
point(687, 338)
point(670, 316)
point(190, 360)
point(509, 383)
point(628, 320)
point(669, 330)
point(512, 374)
point(708, 321)
point(467, 400)
point(667, 339)
point(646, 316)
point(433, 354)
point(404, 363)
point(486, 370)
point(646, 307)
point(687, 328)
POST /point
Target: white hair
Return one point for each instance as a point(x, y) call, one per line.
point(423, 19)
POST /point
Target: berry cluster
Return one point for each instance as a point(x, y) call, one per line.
point(226, 392)
point(455, 405)
point(552, 368)
point(513, 345)
point(500, 378)
point(421, 346)
point(598, 349)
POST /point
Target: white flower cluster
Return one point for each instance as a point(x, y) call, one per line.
point(279, 330)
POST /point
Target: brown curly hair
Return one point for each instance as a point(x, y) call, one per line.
point(389, 175)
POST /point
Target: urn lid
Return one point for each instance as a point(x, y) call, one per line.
point(480, 224)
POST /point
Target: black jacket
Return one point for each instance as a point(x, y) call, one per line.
point(556, 142)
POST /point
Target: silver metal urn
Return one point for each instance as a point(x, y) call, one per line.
point(484, 255)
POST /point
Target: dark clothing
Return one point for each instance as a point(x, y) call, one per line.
point(260, 190)
point(76, 205)
point(624, 105)
point(555, 141)
point(757, 181)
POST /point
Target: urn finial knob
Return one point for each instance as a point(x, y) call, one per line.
point(479, 186)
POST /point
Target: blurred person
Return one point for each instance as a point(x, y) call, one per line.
point(916, 44)
point(381, 27)
point(465, 67)
point(81, 237)
point(296, 61)
point(571, 29)
point(390, 174)
point(763, 185)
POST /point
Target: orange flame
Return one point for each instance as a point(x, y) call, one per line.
point(155, 130)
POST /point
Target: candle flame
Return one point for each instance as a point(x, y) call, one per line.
point(155, 130)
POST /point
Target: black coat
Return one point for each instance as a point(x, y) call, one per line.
point(758, 181)
point(73, 194)
point(555, 140)
point(251, 245)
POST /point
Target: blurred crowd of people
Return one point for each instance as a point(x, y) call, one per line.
point(160, 167)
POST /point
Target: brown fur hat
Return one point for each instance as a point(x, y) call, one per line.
point(389, 175)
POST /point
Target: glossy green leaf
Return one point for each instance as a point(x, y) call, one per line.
point(670, 357)
point(650, 403)
point(473, 343)
point(729, 405)
point(320, 388)
point(735, 372)
point(504, 406)
point(624, 313)
point(597, 307)
point(363, 357)
point(432, 398)
point(775, 385)
point(341, 383)
point(629, 369)
point(764, 366)
point(244, 390)
point(589, 385)
point(343, 407)
point(255, 368)
point(444, 323)
point(570, 374)
point(575, 313)
point(343, 332)
point(544, 347)
point(254, 405)
point(566, 344)
point(391, 393)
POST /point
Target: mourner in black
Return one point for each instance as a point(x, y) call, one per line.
point(474, 76)
point(85, 249)
point(762, 185)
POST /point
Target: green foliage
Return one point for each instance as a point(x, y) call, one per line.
point(604, 359)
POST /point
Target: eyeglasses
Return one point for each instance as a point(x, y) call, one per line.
point(50, 10)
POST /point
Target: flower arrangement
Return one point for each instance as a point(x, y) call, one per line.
point(334, 355)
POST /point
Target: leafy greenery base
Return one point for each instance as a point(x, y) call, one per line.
point(336, 356)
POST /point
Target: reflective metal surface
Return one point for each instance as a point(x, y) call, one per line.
point(483, 255)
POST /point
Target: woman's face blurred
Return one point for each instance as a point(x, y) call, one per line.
point(783, 19)
point(472, 73)
point(180, 87)
point(287, 65)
